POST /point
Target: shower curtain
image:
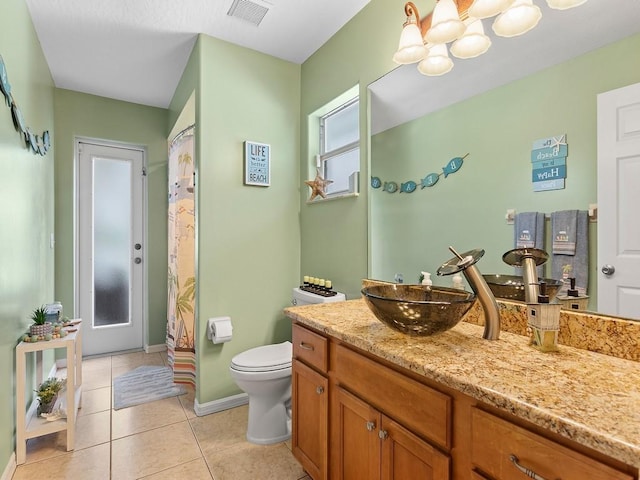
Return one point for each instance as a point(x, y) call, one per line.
point(181, 275)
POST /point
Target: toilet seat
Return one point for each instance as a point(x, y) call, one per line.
point(267, 358)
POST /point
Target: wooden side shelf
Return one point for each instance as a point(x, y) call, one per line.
point(28, 424)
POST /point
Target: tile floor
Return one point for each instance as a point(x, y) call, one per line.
point(162, 440)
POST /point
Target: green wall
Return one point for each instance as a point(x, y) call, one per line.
point(412, 232)
point(248, 250)
point(334, 233)
point(82, 115)
point(27, 216)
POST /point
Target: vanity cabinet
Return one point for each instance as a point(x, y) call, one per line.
point(310, 401)
point(373, 446)
point(501, 450)
point(358, 416)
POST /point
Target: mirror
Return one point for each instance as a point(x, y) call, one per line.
point(489, 111)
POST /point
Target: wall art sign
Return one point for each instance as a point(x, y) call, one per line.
point(38, 144)
point(549, 163)
point(257, 164)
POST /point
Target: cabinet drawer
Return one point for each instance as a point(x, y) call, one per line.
point(419, 408)
point(310, 347)
point(498, 444)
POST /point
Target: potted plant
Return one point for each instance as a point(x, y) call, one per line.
point(40, 326)
point(47, 393)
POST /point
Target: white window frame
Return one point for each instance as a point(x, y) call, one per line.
point(324, 156)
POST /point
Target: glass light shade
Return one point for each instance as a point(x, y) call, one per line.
point(446, 25)
point(437, 62)
point(519, 18)
point(411, 47)
point(473, 43)
point(488, 8)
point(564, 4)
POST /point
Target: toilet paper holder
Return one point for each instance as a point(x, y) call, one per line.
point(219, 329)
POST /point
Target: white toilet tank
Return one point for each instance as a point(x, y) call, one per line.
point(301, 297)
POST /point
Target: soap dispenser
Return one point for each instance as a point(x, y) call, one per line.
point(426, 278)
point(573, 299)
point(457, 282)
point(544, 322)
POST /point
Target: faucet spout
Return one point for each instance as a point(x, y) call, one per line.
point(528, 259)
point(487, 301)
point(466, 263)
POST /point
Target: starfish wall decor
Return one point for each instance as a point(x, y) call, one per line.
point(318, 186)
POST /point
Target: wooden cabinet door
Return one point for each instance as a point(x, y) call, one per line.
point(310, 412)
point(358, 445)
point(407, 457)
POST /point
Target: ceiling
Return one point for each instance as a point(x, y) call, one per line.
point(404, 94)
point(136, 50)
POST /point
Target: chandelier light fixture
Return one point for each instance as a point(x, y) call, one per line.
point(459, 22)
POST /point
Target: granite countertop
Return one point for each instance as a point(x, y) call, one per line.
point(591, 398)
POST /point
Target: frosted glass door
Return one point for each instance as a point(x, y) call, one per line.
point(112, 241)
point(110, 256)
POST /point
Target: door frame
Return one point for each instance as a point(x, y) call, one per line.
point(76, 226)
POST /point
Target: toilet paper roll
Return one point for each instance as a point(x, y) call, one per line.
point(219, 329)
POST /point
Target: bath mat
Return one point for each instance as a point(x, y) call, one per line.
point(144, 384)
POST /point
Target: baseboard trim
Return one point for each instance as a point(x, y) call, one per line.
point(155, 348)
point(220, 404)
point(10, 469)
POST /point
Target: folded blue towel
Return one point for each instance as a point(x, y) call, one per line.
point(564, 266)
point(529, 230)
point(529, 233)
point(563, 231)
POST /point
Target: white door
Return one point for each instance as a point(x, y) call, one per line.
point(110, 255)
point(618, 202)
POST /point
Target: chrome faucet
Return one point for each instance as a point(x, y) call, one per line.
point(466, 264)
point(528, 259)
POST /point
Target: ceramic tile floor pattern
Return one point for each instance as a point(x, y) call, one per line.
point(161, 440)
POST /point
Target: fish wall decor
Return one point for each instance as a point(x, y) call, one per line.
point(428, 181)
point(38, 144)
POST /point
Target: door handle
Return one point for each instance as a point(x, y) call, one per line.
point(608, 269)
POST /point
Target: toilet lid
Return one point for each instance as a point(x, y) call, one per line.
point(264, 359)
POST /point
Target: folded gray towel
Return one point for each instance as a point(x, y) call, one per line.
point(563, 231)
point(529, 233)
point(565, 266)
point(529, 230)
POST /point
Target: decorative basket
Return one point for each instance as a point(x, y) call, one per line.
point(41, 330)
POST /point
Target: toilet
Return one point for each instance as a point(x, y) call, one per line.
point(264, 374)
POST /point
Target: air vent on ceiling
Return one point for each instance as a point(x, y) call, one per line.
point(247, 10)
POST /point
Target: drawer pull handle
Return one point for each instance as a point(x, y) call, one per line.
point(526, 471)
point(306, 346)
point(371, 426)
point(320, 390)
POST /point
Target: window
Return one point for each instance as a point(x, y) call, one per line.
point(339, 158)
